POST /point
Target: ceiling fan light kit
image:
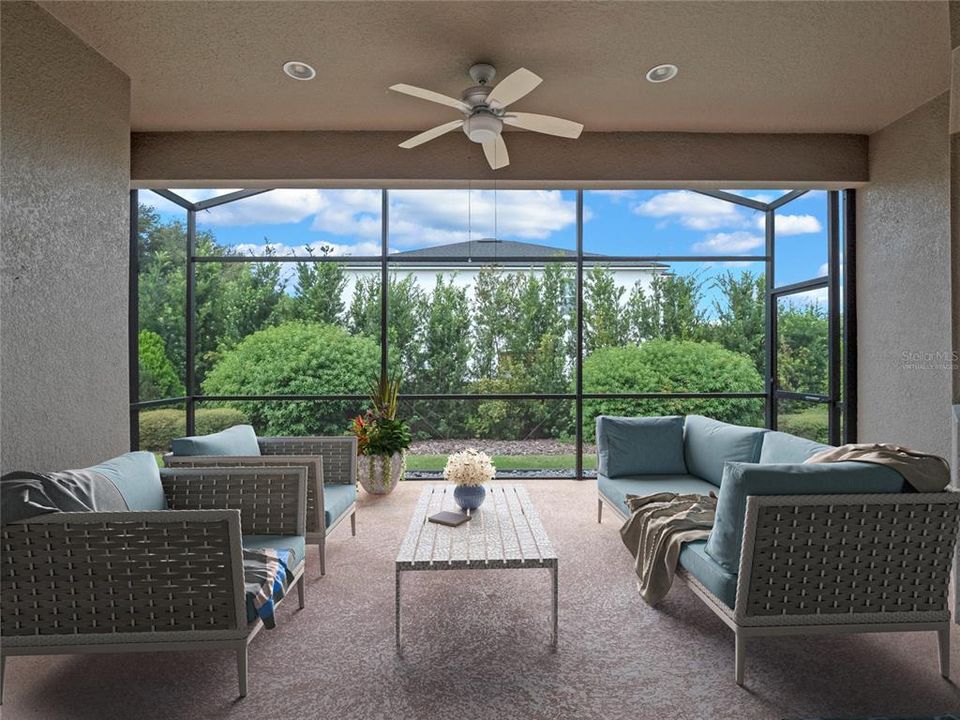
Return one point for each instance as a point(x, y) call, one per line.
point(485, 112)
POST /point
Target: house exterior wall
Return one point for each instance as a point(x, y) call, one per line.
point(63, 246)
point(904, 284)
point(465, 276)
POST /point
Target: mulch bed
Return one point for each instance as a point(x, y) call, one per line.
point(499, 447)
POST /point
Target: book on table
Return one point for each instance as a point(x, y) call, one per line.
point(451, 519)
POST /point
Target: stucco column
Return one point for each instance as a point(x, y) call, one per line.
point(955, 262)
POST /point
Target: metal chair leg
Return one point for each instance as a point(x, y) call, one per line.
point(740, 659)
point(242, 670)
point(300, 593)
point(943, 640)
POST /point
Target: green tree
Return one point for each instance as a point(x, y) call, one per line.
point(803, 348)
point(162, 282)
point(740, 315)
point(297, 358)
point(445, 356)
point(602, 315)
point(666, 366)
point(537, 353)
point(320, 287)
point(494, 297)
point(158, 379)
point(405, 307)
point(669, 309)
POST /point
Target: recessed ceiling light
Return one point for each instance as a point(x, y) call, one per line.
point(662, 73)
point(299, 70)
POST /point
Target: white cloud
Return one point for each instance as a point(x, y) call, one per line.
point(435, 217)
point(733, 243)
point(809, 297)
point(417, 217)
point(792, 224)
point(692, 210)
point(823, 270)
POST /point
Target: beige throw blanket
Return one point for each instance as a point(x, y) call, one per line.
point(925, 473)
point(659, 524)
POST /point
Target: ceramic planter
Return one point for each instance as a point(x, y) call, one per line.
point(379, 474)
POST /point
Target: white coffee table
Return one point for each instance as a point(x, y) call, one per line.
point(505, 533)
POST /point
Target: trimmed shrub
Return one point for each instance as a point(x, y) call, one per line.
point(159, 427)
point(811, 423)
point(212, 420)
point(297, 358)
point(671, 366)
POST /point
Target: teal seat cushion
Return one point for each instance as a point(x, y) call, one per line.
point(137, 477)
point(337, 499)
point(781, 447)
point(640, 446)
point(277, 542)
point(743, 479)
point(709, 444)
point(617, 489)
point(236, 440)
point(695, 560)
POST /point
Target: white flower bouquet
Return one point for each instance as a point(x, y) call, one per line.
point(469, 467)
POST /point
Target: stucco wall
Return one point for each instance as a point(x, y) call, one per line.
point(63, 246)
point(903, 276)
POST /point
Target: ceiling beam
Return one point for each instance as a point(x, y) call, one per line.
point(599, 160)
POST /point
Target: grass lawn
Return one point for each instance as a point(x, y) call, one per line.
point(507, 462)
point(502, 462)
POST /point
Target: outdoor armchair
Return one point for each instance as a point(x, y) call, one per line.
point(146, 581)
point(331, 464)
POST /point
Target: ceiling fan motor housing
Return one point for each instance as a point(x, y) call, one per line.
point(483, 126)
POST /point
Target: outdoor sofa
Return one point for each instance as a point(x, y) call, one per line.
point(331, 464)
point(167, 574)
point(795, 548)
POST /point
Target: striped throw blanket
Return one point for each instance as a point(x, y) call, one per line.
point(267, 576)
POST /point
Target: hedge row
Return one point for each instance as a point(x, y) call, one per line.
point(159, 427)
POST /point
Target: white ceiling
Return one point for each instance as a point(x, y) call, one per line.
point(767, 66)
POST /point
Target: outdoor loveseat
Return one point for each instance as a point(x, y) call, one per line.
point(331, 464)
point(795, 548)
point(167, 574)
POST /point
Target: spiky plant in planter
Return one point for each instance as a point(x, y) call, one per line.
point(382, 439)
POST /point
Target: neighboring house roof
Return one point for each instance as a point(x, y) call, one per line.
point(488, 249)
point(491, 249)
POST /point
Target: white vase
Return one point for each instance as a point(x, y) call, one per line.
point(379, 474)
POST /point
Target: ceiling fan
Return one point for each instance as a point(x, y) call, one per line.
point(485, 112)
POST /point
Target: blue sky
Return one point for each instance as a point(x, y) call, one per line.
point(636, 222)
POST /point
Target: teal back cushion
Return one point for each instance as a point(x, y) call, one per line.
point(137, 477)
point(781, 447)
point(743, 479)
point(709, 444)
point(640, 446)
point(236, 440)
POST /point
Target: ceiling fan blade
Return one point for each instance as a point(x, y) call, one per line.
point(513, 87)
point(431, 96)
point(496, 152)
point(431, 134)
point(544, 124)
